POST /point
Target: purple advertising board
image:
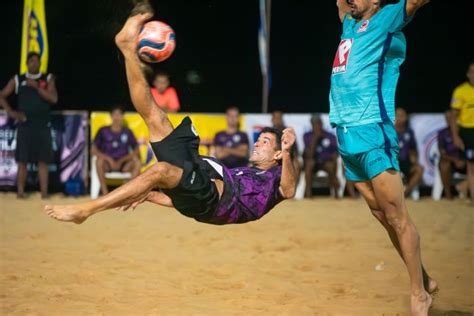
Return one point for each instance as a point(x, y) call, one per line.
point(69, 131)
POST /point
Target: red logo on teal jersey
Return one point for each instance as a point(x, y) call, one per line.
point(363, 27)
point(342, 57)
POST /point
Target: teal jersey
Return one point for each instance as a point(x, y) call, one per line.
point(367, 66)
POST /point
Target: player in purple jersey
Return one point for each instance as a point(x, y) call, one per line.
point(198, 187)
point(450, 159)
point(408, 154)
point(231, 146)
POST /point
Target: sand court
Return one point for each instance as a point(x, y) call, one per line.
point(311, 257)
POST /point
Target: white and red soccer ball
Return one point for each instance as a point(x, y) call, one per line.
point(156, 42)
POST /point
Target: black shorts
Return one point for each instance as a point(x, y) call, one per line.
point(405, 167)
point(196, 195)
point(34, 143)
point(467, 136)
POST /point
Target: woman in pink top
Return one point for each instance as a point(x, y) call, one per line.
point(164, 95)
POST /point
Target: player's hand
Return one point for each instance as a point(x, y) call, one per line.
point(32, 83)
point(133, 205)
point(458, 142)
point(288, 139)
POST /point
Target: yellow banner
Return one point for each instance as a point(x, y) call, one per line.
point(34, 37)
point(207, 126)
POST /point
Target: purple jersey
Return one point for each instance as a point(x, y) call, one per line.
point(115, 145)
point(406, 142)
point(223, 139)
point(249, 193)
point(445, 142)
point(326, 147)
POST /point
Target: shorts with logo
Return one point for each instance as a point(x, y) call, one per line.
point(368, 150)
point(196, 195)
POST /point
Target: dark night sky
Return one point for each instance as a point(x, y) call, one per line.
point(218, 40)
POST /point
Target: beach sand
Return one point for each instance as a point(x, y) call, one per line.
point(311, 257)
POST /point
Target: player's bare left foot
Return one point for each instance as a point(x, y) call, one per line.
point(67, 213)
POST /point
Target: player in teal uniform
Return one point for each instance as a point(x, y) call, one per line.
point(362, 105)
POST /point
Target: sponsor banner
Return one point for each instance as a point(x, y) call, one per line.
point(426, 128)
point(206, 125)
point(70, 150)
point(254, 123)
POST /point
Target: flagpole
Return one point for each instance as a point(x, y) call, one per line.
point(265, 72)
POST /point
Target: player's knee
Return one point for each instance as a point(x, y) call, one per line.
point(159, 168)
point(395, 217)
point(163, 169)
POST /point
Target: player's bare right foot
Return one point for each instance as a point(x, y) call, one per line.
point(126, 39)
point(67, 213)
point(421, 304)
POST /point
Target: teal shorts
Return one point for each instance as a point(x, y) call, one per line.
point(368, 150)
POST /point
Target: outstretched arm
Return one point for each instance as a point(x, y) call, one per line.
point(414, 5)
point(288, 173)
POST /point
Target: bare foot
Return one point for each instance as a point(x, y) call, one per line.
point(126, 39)
point(421, 304)
point(66, 213)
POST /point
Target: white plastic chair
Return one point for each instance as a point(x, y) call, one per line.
point(95, 183)
point(323, 175)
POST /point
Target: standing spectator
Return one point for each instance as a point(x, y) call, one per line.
point(36, 93)
point(408, 155)
point(320, 153)
point(279, 124)
point(232, 146)
point(450, 159)
point(116, 149)
point(164, 95)
point(462, 125)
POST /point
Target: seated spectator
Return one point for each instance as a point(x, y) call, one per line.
point(231, 146)
point(116, 149)
point(278, 123)
point(450, 160)
point(408, 155)
point(164, 95)
point(320, 153)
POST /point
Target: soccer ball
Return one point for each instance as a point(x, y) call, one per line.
point(156, 42)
